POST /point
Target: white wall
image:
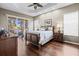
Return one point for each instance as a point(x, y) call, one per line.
point(71, 24)
point(30, 25)
point(37, 24)
point(56, 17)
point(3, 21)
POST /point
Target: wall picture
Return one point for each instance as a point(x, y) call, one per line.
point(48, 22)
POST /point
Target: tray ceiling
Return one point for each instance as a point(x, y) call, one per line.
point(24, 9)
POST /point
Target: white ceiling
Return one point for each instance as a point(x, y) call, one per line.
point(24, 9)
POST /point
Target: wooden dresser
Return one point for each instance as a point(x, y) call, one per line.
point(58, 37)
point(8, 46)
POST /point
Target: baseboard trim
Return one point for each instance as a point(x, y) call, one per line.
point(72, 42)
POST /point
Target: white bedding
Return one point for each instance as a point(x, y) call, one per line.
point(45, 36)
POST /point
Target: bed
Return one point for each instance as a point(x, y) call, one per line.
point(39, 38)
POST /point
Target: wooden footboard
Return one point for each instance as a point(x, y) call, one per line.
point(33, 38)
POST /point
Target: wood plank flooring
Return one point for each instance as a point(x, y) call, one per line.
point(52, 48)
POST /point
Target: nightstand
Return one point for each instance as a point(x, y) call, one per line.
point(58, 37)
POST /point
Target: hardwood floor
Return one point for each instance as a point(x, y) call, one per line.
point(50, 49)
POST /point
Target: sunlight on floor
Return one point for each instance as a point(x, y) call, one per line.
point(21, 47)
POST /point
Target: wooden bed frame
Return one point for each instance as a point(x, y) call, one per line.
point(34, 38)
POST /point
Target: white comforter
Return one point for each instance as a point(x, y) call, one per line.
point(45, 36)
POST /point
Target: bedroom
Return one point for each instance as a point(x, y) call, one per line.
point(49, 26)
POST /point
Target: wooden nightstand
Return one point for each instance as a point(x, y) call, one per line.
point(58, 37)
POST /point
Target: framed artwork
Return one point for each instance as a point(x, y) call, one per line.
point(48, 22)
point(47, 25)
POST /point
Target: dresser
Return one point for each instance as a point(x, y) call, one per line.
point(8, 46)
point(58, 37)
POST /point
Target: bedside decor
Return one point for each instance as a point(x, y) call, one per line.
point(58, 35)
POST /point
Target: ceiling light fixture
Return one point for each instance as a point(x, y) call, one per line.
point(35, 5)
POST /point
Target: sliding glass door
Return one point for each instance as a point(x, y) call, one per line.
point(17, 25)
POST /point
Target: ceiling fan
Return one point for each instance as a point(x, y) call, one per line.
point(35, 5)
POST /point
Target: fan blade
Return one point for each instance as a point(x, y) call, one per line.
point(30, 5)
point(39, 5)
